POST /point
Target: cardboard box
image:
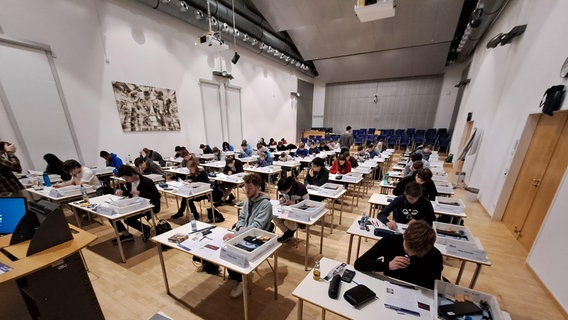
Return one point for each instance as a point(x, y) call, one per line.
point(192, 188)
point(128, 205)
point(305, 210)
point(444, 235)
point(451, 205)
point(240, 257)
point(444, 292)
point(331, 189)
point(69, 191)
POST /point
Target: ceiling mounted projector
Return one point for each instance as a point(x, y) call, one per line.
point(223, 74)
point(369, 10)
point(211, 42)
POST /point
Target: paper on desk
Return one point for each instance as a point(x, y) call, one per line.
point(4, 268)
point(276, 208)
point(402, 298)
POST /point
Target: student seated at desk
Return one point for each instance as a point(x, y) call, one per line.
point(10, 185)
point(323, 146)
point(218, 154)
point(425, 151)
point(284, 157)
point(352, 160)
point(318, 175)
point(414, 157)
point(232, 166)
point(178, 150)
point(256, 213)
point(196, 174)
point(148, 166)
point(246, 150)
point(361, 155)
point(80, 175)
point(290, 192)
point(153, 155)
point(272, 142)
point(263, 160)
point(372, 152)
point(302, 152)
point(136, 186)
point(55, 166)
point(227, 147)
point(205, 148)
point(407, 207)
point(263, 149)
point(340, 165)
point(313, 148)
point(422, 177)
point(409, 257)
point(280, 146)
point(111, 160)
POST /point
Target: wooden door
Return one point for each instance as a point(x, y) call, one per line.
point(542, 169)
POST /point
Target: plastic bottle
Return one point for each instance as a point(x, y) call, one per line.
point(386, 178)
point(193, 224)
point(316, 271)
point(84, 194)
point(363, 222)
point(46, 180)
point(129, 159)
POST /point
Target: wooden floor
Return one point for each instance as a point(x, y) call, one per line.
point(135, 290)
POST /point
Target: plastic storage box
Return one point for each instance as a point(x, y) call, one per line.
point(305, 210)
point(233, 253)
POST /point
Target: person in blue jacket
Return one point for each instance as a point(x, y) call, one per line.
point(112, 160)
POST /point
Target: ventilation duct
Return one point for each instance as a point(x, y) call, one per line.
point(250, 32)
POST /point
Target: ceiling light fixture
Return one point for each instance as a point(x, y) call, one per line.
point(245, 37)
point(183, 7)
point(253, 42)
point(166, 1)
point(198, 15)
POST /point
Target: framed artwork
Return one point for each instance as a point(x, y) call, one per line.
point(146, 108)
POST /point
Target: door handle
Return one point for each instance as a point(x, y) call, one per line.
point(535, 182)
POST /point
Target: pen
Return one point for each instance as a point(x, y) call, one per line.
point(403, 310)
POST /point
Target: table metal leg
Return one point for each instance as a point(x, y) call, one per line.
point(460, 273)
point(245, 294)
point(118, 241)
point(358, 248)
point(349, 248)
point(332, 213)
point(162, 263)
point(76, 213)
point(275, 271)
point(300, 308)
point(307, 246)
point(475, 275)
point(321, 234)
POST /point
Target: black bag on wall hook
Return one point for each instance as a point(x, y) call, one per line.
point(552, 99)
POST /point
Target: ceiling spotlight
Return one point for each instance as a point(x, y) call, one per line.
point(281, 56)
point(269, 50)
point(198, 15)
point(292, 61)
point(183, 7)
point(213, 21)
point(276, 53)
point(225, 27)
point(287, 59)
point(245, 37)
point(253, 43)
point(236, 32)
point(166, 1)
point(262, 46)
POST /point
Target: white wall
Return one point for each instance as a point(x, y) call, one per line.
point(318, 108)
point(448, 94)
point(97, 42)
point(507, 84)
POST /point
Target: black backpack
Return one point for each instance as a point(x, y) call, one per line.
point(552, 99)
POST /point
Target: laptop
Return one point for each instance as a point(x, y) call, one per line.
point(11, 212)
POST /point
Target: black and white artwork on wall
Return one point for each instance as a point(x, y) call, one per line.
point(146, 108)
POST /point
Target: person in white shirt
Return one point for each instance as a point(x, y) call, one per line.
point(80, 175)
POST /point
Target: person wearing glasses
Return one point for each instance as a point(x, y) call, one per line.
point(407, 207)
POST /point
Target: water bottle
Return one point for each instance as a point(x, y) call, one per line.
point(386, 178)
point(129, 159)
point(84, 194)
point(363, 222)
point(193, 224)
point(46, 180)
point(316, 271)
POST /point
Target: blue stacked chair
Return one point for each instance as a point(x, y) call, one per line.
point(410, 131)
point(444, 143)
point(392, 141)
point(404, 142)
point(399, 132)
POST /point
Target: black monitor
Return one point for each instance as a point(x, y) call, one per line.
point(11, 212)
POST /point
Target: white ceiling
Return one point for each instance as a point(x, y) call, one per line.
point(415, 42)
